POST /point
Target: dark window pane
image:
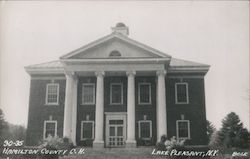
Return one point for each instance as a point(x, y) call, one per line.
point(119, 131)
point(50, 129)
point(145, 129)
point(52, 93)
point(87, 130)
point(182, 93)
point(144, 93)
point(111, 131)
point(88, 94)
point(115, 122)
point(116, 93)
point(183, 129)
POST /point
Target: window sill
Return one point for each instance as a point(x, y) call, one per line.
point(87, 104)
point(184, 138)
point(87, 139)
point(182, 103)
point(144, 103)
point(146, 138)
point(48, 104)
point(115, 103)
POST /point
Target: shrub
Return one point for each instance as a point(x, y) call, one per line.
point(55, 143)
point(168, 144)
point(174, 144)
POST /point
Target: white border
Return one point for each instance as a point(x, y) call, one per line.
point(44, 127)
point(111, 84)
point(177, 129)
point(46, 98)
point(93, 129)
point(139, 93)
point(139, 127)
point(187, 95)
point(90, 103)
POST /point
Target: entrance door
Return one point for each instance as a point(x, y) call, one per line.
point(115, 130)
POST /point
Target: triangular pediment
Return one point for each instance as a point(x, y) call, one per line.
point(115, 46)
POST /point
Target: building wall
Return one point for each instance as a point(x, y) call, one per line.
point(194, 111)
point(145, 109)
point(84, 110)
point(39, 111)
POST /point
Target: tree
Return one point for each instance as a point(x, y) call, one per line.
point(214, 141)
point(3, 126)
point(10, 131)
point(210, 129)
point(232, 133)
point(16, 132)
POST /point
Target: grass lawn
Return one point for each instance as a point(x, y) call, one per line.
point(116, 153)
point(126, 153)
point(137, 153)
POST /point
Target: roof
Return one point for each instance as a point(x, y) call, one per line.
point(51, 64)
point(54, 67)
point(184, 63)
point(175, 65)
point(179, 65)
point(111, 36)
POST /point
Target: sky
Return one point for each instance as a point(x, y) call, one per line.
point(209, 32)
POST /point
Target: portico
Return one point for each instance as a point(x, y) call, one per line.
point(130, 137)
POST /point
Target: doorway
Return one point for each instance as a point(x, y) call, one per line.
point(115, 129)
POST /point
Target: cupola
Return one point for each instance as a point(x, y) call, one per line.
point(121, 28)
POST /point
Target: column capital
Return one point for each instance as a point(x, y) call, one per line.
point(161, 72)
point(131, 73)
point(71, 74)
point(99, 73)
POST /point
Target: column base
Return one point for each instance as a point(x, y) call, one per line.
point(131, 144)
point(98, 144)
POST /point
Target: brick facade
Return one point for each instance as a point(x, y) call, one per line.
point(194, 111)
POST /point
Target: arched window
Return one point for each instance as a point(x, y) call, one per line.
point(115, 53)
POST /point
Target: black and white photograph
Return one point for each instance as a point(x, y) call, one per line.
point(124, 79)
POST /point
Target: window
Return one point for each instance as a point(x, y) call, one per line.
point(182, 129)
point(116, 93)
point(144, 93)
point(114, 54)
point(88, 93)
point(49, 129)
point(52, 93)
point(145, 129)
point(87, 130)
point(181, 93)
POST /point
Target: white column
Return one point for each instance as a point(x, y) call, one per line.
point(68, 105)
point(161, 105)
point(131, 142)
point(98, 142)
point(74, 111)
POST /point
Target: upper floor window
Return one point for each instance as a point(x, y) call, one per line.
point(88, 93)
point(52, 93)
point(181, 93)
point(87, 130)
point(144, 93)
point(145, 129)
point(116, 93)
point(49, 128)
point(183, 129)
